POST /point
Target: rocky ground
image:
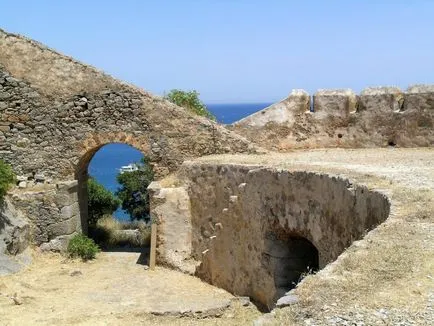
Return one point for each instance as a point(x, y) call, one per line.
point(384, 279)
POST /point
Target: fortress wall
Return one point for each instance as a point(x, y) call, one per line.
point(255, 230)
point(50, 72)
point(378, 117)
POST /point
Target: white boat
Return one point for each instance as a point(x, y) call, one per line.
point(128, 168)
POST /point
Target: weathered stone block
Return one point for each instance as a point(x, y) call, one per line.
point(67, 193)
point(19, 238)
point(335, 103)
point(70, 211)
point(171, 208)
point(287, 300)
point(14, 229)
point(58, 244)
point(63, 228)
point(4, 128)
point(381, 99)
point(419, 98)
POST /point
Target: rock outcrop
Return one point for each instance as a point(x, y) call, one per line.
point(14, 230)
point(14, 239)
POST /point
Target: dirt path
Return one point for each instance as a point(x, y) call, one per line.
point(113, 287)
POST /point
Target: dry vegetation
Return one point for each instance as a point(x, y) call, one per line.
point(111, 233)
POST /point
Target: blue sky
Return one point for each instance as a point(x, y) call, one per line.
point(238, 50)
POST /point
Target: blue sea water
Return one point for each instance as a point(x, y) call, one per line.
point(106, 163)
point(229, 113)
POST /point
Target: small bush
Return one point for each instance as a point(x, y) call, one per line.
point(189, 100)
point(7, 177)
point(83, 247)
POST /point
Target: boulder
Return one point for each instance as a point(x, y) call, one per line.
point(287, 300)
point(59, 244)
point(14, 230)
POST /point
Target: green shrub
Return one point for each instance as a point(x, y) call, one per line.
point(133, 191)
point(83, 247)
point(189, 100)
point(7, 178)
point(100, 201)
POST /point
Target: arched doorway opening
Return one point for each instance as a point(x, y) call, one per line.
point(113, 198)
point(290, 258)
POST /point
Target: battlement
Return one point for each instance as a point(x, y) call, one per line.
point(378, 116)
point(340, 103)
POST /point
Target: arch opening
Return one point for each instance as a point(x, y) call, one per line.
point(121, 222)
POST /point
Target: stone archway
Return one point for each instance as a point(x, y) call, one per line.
point(82, 175)
point(56, 112)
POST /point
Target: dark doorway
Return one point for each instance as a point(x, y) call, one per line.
point(290, 257)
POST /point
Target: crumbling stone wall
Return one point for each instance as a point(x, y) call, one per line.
point(52, 210)
point(55, 113)
point(378, 117)
point(256, 230)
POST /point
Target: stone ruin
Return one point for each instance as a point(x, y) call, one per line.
point(56, 113)
point(251, 230)
point(254, 230)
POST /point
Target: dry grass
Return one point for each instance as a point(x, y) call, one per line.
point(110, 233)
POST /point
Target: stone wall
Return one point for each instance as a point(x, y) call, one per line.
point(378, 117)
point(256, 230)
point(55, 113)
point(52, 210)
